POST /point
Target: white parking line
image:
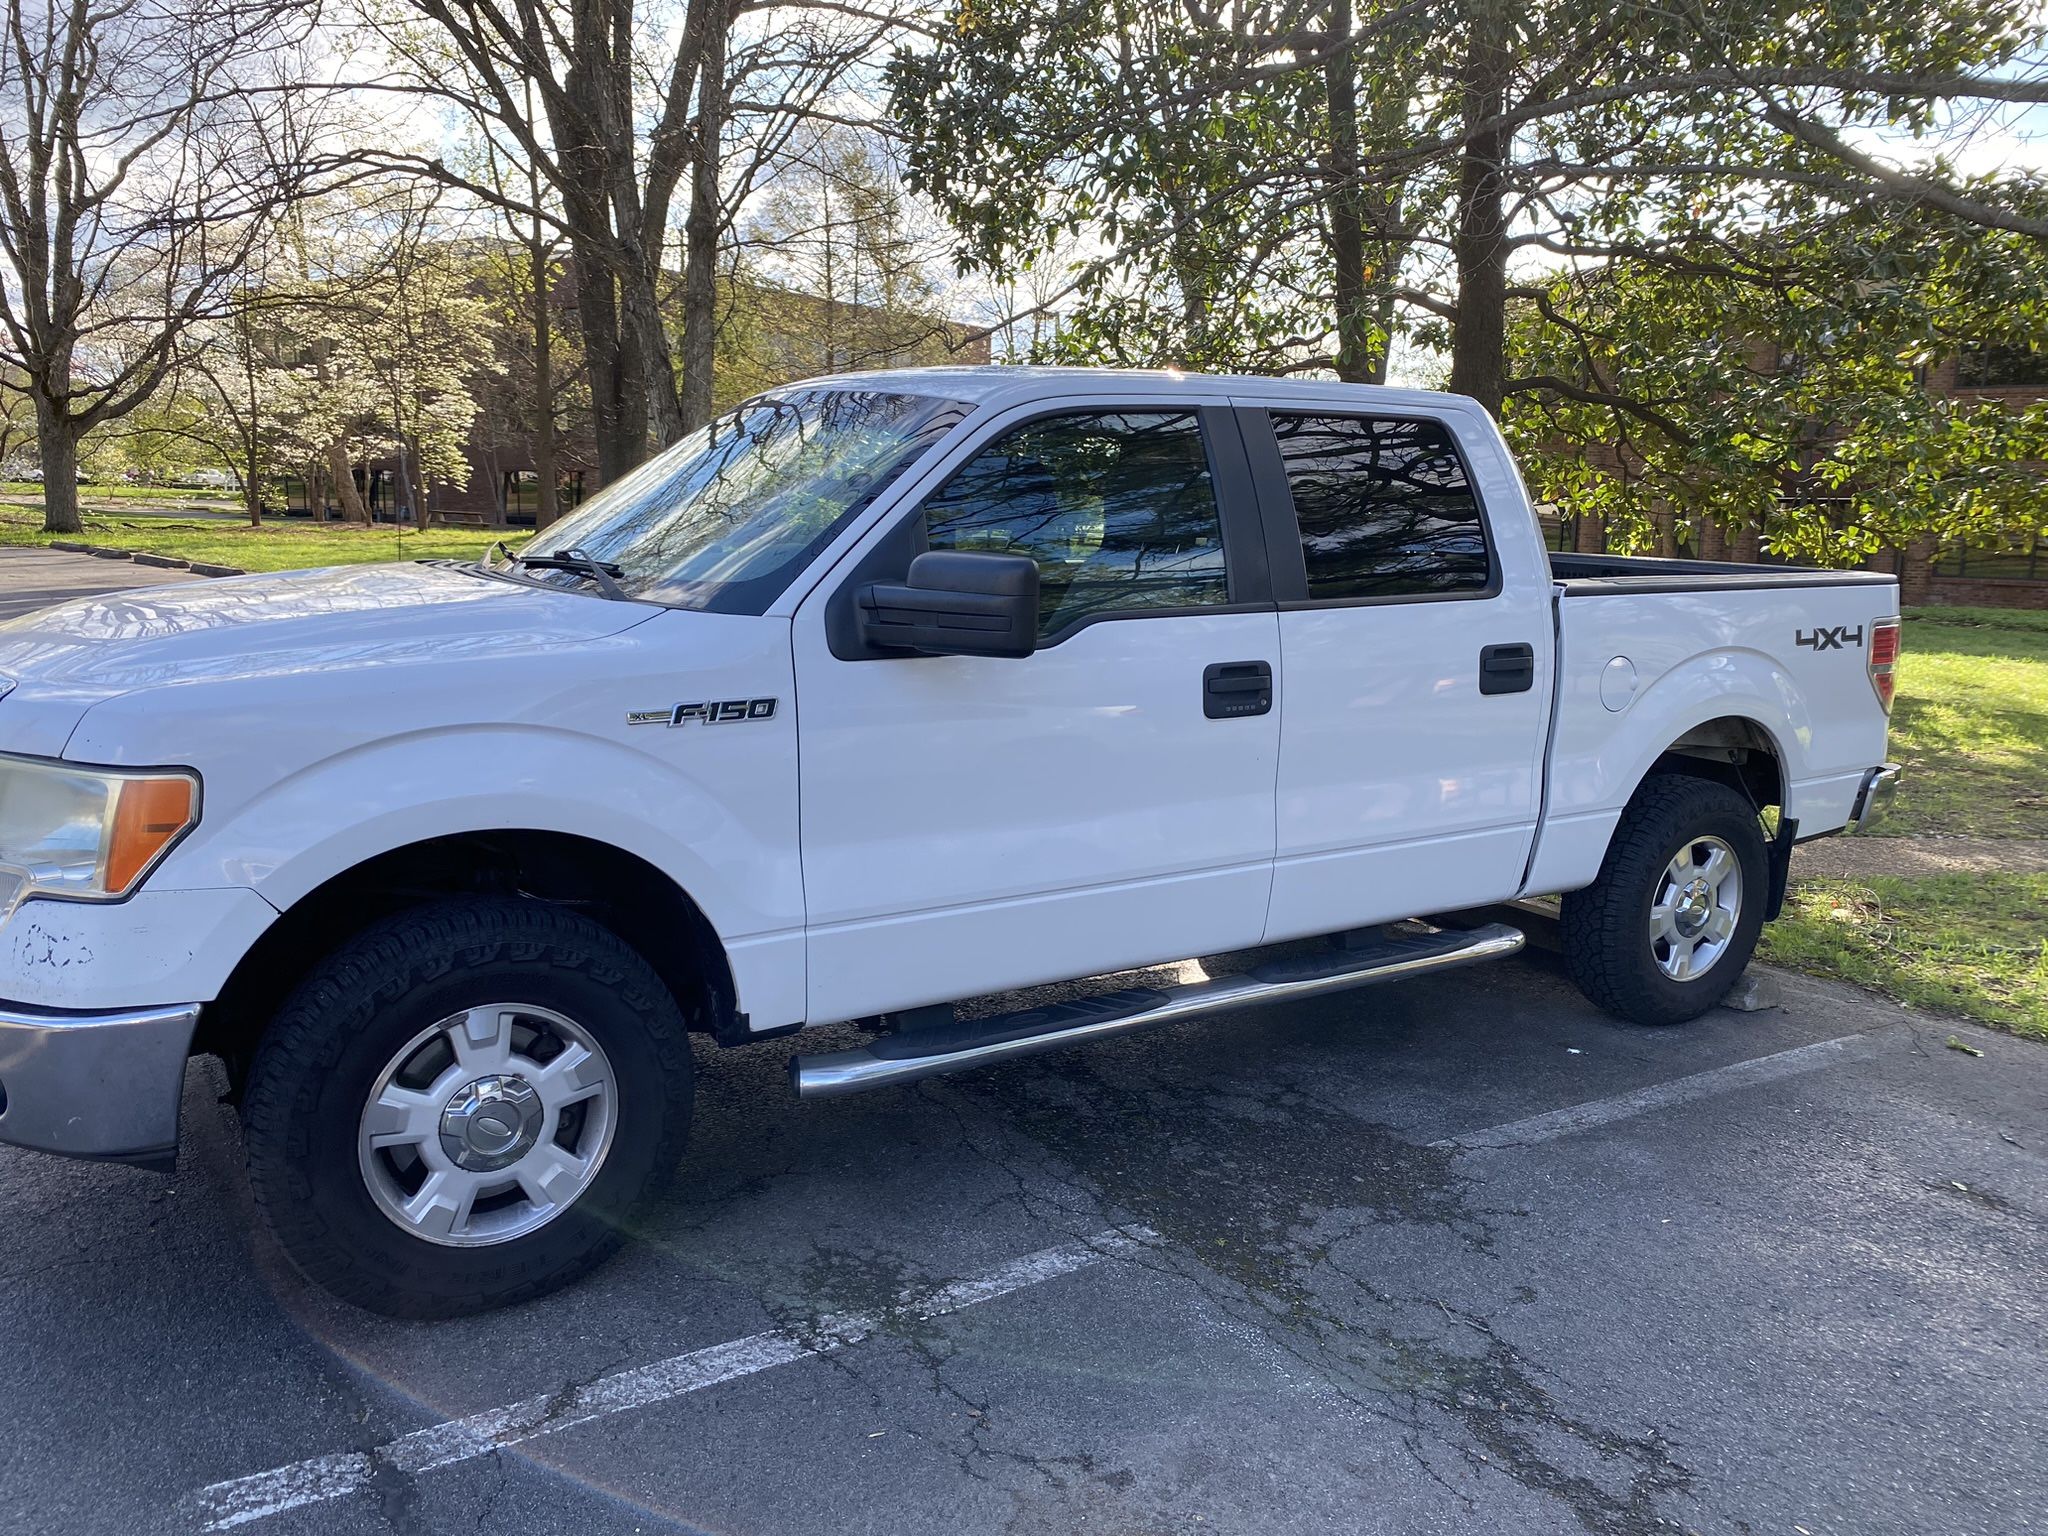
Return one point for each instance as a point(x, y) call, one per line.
point(1679, 1090)
point(260, 1495)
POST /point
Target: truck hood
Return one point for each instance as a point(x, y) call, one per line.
point(62, 660)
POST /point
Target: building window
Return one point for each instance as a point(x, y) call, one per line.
point(2027, 563)
point(1560, 528)
point(1996, 366)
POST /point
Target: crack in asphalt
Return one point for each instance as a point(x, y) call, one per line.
point(1264, 1189)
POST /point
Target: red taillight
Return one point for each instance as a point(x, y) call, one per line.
point(1884, 656)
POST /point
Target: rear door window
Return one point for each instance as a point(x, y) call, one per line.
point(1384, 506)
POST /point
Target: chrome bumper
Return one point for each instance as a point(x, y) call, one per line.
point(1873, 798)
point(94, 1084)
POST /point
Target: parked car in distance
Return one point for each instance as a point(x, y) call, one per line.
point(878, 693)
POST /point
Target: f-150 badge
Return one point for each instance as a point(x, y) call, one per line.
point(715, 712)
point(1829, 639)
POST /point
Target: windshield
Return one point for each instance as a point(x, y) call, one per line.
point(724, 519)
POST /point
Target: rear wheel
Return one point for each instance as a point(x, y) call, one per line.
point(465, 1106)
point(1668, 926)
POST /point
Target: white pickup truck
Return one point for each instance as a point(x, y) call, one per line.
point(878, 693)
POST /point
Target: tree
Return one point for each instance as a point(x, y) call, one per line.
point(1287, 185)
point(143, 146)
point(837, 231)
point(361, 332)
point(538, 359)
point(1806, 412)
point(613, 108)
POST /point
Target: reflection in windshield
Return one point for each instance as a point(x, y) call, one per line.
point(726, 517)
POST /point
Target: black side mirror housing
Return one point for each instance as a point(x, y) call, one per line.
point(956, 603)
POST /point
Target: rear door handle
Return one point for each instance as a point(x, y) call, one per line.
point(1507, 668)
point(1234, 688)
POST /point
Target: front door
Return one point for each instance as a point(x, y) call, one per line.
point(974, 823)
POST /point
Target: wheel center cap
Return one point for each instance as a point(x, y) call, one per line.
point(491, 1123)
point(1694, 903)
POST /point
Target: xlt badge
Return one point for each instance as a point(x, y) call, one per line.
point(714, 712)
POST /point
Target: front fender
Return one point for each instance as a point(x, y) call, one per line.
point(723, 828)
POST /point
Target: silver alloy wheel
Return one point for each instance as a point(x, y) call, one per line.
point(487, 1125)
point(1698, 902)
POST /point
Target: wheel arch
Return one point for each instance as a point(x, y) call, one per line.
point(1737, 750)
point(618, 889)
point(1733, 747)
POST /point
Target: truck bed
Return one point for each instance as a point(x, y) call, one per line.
point(1601, 575)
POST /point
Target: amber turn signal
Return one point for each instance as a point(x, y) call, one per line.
point(148, 816)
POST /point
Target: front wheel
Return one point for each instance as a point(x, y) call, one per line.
point(1666, 929)
point(465, 1105)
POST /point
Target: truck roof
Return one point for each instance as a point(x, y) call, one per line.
point(1002, 384)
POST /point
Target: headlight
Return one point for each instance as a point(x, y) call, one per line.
point(86, 833)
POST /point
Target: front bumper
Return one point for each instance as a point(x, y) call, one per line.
point(1873, 797)
point(94, 1084)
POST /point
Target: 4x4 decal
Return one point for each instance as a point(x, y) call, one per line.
point(1829, 639)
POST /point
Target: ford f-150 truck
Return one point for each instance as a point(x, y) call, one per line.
point(878, 693)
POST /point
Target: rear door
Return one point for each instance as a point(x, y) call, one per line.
point(1415, 683)
point(974, 823)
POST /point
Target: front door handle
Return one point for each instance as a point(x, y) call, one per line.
point(1507, 668)
point(1234, 688)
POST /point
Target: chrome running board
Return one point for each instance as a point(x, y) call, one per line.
point(909, 1055)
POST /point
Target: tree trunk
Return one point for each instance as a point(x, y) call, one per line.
point(59, 446)
point(612, 357)
point(352, 508)
point(700, 235)
point(1479, 334)
point(1344, 206)
point(415, 485)
point(646, 333)
point(252, 490)
point(542, 406)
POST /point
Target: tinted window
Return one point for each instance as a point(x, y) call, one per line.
point(1118, 509)
point(1384, 507)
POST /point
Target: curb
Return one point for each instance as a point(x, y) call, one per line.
point(142, 557)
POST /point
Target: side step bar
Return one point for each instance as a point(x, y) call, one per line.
point(909, 1055)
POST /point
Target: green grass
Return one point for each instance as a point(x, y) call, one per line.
point(273, 547)
point(1975, 945)
point(1971, 724)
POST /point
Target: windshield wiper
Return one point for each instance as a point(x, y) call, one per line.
point(602, 572)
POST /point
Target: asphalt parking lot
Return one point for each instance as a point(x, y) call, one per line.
point(35, 578)
point(1457, 1255)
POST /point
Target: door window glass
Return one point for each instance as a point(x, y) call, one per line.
point(1117, 507)
point(1385, 507)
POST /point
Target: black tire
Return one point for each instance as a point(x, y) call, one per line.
point(314, 1071)
point(1606, 928)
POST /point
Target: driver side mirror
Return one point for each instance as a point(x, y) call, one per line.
point(956, 603)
